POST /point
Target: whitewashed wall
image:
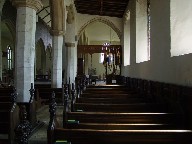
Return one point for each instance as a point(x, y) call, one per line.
point(162, 67)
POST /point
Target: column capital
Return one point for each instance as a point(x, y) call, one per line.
point(34, 4)
point(67, 44)
point(57, 32)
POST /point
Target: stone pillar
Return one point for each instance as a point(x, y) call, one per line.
point(25, 46)
point(57, 61)
point(57, 19)
point(72, 61)
point(1, 65)
point(71, 43)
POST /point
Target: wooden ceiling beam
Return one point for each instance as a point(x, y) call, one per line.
point(114, 8)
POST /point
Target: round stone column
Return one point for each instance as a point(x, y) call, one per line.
point(72, 61)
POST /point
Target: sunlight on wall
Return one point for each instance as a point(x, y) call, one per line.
point(141, 31)
point(126, 45)
point(181, 27)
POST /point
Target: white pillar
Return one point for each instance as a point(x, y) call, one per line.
point(57, 29)
point(72, 61)
point(57, 61)
point(25, 46)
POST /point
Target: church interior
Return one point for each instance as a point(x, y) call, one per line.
point(95, 71)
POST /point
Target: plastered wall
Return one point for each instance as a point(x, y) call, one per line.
point(162, 67)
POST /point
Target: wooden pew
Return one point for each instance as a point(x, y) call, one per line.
point(119, 126)
point(106, 117)
point(115, 100)
point(114, 133)
point(44, 95)
point(9, 113)
point(123, 107)
point(31, 108)
point(90, 136)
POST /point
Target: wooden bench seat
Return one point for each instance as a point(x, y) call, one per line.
point(110, 95)
point(135, 107)
point(90, 136)
point(6, 105)
point(108, 92)
point(114, 100)
point(36, 86)
point(120, 126)
point(45, 94)
point(106, 117)
point(106, 86)
point(6, 91)
point(5, 98)
point(9, 113)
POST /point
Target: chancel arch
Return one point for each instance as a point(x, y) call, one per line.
point(102, 20)
point(91, 45)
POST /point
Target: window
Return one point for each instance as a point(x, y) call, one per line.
point(9, 57)
point(142, 30)
point(181, 27)
point(101, 58)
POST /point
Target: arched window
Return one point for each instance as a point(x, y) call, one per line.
point(9, 57)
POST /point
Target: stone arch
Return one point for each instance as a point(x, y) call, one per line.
point(40, 57)
point(103, 20)
point(11, 26)
point(8, 39)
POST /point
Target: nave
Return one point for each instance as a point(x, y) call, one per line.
point(112, 114)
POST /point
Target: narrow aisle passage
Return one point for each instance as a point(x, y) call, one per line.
point(40, 135)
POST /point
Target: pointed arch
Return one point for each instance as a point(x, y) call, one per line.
point(40, 57)
point(103, 20)
point(11, 26)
